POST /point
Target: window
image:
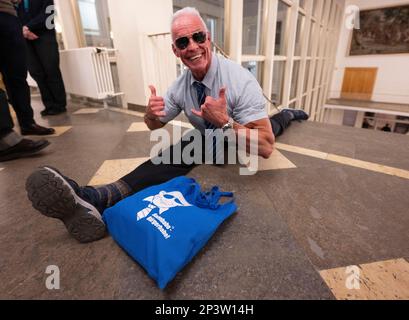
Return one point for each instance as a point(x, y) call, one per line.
point(294, 79)
point(306, 75)
point(304, 102)
point(252, 26)
point(278, 82)
point(95, 23)
point(299, 35)
point(316, 7)
point(255, 68)
point(283, 11)
point(310, 41)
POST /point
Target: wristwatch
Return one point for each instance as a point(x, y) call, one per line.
point(147, 118)
point(228, 125)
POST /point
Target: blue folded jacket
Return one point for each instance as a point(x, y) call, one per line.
point(163, 227)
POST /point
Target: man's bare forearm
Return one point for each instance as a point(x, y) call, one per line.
point(265, 141)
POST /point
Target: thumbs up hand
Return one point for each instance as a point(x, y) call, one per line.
point(156, 106)
point(214, 110)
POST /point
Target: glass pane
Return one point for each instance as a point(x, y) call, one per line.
point(294, 80)
point(317, 63)
point(315, 72)
point(299, 37)
point(327, 5)
point(252, 26)
point(281, 28)
point(315, 7)
point(321, 76)
point(212, 13)
point(293, 105)
point(310, 42)
point(302, 4)
point(95, 23)
point(321, 43)
point(255, 68)
point(278, 80)
point(306, 75)
point(304, 102)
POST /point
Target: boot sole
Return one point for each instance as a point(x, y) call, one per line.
point(53, 196)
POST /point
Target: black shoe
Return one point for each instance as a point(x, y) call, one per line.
point(22, 149)
point(57, 196)
point(298, 114)
point(52, 112)
point(36, 130)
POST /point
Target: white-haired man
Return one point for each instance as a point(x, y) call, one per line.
point(214, 93)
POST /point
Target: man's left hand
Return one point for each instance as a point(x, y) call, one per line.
point(214, 110)
point(28, 34)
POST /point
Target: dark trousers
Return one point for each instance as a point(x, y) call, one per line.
point(44, 66)
point(13, 66)
point(5, 117)
point(149, 174)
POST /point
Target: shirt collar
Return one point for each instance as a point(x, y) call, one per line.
point(210, 75)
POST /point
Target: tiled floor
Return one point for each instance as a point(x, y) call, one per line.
point(328, 212)
point(386, 280)
point(87, 111)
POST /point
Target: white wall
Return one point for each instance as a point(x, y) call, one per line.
point(392, 84)
point(131, 21)
point(67, 19)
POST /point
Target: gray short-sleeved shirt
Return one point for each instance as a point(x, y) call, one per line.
point(245, 100)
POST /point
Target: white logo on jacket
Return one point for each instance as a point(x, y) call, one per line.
point(164, 201)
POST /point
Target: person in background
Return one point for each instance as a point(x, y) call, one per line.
point(12, 145)
point(386, 128)
point(42, 53)
point(13, 67)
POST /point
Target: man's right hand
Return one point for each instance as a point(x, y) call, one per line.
point(156, 106)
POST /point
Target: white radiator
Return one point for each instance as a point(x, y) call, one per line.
point(87, 72)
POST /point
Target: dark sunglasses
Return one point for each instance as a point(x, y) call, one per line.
point(183, 42)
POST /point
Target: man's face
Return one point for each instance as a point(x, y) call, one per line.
point(196, 56)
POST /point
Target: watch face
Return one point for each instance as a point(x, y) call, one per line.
point(227, 126)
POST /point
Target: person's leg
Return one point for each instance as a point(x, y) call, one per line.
point(14, 68)
point(49, 57)
point(38, 72)
point(81, 208)
point(12, 145)
point(6, 122)
point(282, 120)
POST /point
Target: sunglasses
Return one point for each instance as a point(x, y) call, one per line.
point(183, 42)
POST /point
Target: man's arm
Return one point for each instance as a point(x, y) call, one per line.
point(215, 112)
point(266, 137)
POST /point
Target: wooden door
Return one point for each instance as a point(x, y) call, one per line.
point(359, 83)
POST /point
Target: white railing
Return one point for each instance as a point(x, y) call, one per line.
point(87, 72)
point(160, 68)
